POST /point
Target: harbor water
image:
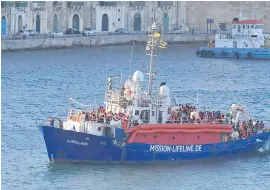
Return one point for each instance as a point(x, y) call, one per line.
point(38, 84)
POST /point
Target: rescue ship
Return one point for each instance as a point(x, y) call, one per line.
point(245, 41)
point(149, 126)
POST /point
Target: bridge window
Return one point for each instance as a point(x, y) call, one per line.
point(256, 26)
point(247, 26)
point(252, 26)
point(137, 112)
point(244, 26)
point(234, 26)
point(153, 113)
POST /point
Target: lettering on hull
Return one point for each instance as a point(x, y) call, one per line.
point(77, 142)
point(174, 148)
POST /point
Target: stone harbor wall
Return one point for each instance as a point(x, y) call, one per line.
point(67, 42)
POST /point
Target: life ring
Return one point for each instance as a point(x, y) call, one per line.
point(198, 52)
point(210, 53)
point(249, 55)
point(223, 53)
point(236, 55)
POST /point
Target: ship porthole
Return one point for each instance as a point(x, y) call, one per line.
point(173, 137)
point(155, 137)
point(198, 137)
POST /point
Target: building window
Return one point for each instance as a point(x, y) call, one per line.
point(119, 19)
point(118, 10)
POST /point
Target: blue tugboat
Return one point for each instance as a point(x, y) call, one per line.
point(149, 126)
point(245, 41)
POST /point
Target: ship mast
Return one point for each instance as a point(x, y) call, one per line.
point(151, 45)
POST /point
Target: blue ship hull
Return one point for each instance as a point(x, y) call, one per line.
point(63, 145)
point(236, 53)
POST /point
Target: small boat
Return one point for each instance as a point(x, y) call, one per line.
point(135, 125)
point(245, 41)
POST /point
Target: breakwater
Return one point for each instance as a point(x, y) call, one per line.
point(67, 42)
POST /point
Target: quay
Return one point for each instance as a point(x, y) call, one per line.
point(43, 43)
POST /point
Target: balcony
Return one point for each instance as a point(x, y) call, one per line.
point(57, 3)
point(137, 3)
point(107, 3)
point(21, 4)
point(165, 3)
point(7, 4)
point(72, 4)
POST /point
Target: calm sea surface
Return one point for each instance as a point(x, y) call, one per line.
point(36, 85)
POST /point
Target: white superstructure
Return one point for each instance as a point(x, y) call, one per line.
point(244, 34)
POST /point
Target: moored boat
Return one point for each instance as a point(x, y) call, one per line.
point(149, 126)
point(245, 41)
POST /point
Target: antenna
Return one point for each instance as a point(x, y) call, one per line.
point(106, 83)
point(241, 9)
point(121, 78)
point(197, 100)
point(150, 85)
point(130, 58)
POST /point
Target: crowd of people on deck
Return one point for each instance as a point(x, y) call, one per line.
point(99, 116)
point(186, 114)
point(182, 115)
point(247, 128)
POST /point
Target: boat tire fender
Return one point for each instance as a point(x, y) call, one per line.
point(203, 53)
point(236, 55)
point(249, 55)
point(210, 53)
point(223, 53)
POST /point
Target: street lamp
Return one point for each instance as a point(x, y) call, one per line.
point(154, 12)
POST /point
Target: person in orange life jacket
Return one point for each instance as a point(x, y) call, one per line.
point(243, 129)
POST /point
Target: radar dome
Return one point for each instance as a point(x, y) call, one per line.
point(164, 91)
point(138, 76)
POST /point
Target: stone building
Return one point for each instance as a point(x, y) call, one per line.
point(47, 16)
point(225, 11)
